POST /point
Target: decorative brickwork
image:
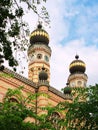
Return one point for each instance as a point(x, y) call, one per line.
point(77, 80)
point(47, 94)
point(39, 55)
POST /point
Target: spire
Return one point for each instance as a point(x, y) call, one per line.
point(39, 36)
point(77, 57)
point(39, 26)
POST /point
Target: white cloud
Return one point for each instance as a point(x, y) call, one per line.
point(62, 55)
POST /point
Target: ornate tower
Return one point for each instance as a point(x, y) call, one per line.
point(39, 53)
point(77, 77)
point(43, 88)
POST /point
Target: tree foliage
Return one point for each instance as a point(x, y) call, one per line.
point(13, 30)
point(82, 112)
point(16, 108)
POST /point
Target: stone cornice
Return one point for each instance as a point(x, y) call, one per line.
point(78, 75)
point(32, 84)
point(57, 92)
point(19, 77)
point(39, 62)
point(43, 83)
point(41, 47)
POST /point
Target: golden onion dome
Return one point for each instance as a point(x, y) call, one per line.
point(39, 36)
point(77, 66)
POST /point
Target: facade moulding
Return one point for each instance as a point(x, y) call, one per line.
point(39, 62)
point(19, 77)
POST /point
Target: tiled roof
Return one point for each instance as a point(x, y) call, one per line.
point(60, 94)
point(32, 84)
point(20, 77)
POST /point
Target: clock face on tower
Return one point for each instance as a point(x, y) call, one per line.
point(46, 58)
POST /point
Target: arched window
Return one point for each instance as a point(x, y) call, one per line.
point(14, 103)
point(13, 100)
point(54, 118)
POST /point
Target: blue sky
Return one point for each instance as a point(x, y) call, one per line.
point(82, 19)
point(74, 29)
point(84, 22)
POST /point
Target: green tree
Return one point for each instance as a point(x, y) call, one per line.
point(82, 112)
point(16, 108)
point(13, 30)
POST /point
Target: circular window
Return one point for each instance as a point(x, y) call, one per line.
point(30, 58)
point(73, 84)
point(79, 82)
point(46, 58)
point(39, 68)
point(39, 56)
point(32, 55)
point(84, 84)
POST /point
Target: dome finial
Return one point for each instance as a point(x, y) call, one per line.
point(77, 56)
point(39, 26)
point(43, 68)
point(67, 84)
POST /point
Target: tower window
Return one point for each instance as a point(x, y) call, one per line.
point(39, 56)
point(46, 58)
point(84, 84)
point(73, 84)
point(79, 83)
point(39, 68)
